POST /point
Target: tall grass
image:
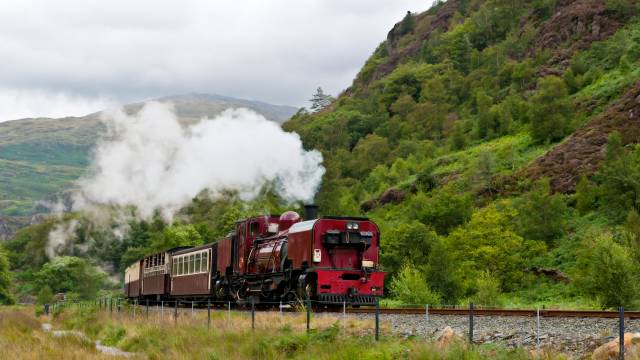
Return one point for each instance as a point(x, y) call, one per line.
point(160, 336)
point(22, 337)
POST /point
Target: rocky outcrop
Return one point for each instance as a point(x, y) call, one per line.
point(10, 224)
point(583, 151)
point(582, 22)
point(391, 196)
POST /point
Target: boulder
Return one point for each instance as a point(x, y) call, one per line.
point(447, 337)
point(611, 350)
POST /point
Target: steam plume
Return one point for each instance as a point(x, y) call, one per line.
point(152, 162)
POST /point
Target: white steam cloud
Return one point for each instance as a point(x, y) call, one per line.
point(151, 161)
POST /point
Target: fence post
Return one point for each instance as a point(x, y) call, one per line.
point(538, 328)
point(471, 308)
point(135, 306)
point(110, 306)
point(377, 319)
point(280, 308)
point(253, 313)
point(192, 314)
point(621, 332)
point(308, 314)
point(147, 309)
point(344, 316)
point(229, 310)
point(162, 310)
point(208, 313)
point(175, 313)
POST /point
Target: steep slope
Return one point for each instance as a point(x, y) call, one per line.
point(462, 125)
point(41, 157)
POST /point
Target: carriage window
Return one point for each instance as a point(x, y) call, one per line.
point(191, 262)
point(180, 266)
point(174, 267)
point(197, 266)
point(254, 228)
point(205, 262)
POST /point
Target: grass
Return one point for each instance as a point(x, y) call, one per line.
point(230, 337)
point(22, 338)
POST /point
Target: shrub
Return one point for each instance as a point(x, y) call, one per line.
point(541, 216)
point(608, 273)
point(551, 110)
point(410, 286)
point(6, 297)
point(487, 290)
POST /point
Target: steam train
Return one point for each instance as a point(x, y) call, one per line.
point(330, 260)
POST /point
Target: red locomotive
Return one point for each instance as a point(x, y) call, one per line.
point(270, 258)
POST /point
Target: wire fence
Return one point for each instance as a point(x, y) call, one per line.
point(471, 320)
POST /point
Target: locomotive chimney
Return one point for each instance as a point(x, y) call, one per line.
point(310, 212)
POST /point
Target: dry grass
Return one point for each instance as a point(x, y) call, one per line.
point(22, 337)
point(276, 336)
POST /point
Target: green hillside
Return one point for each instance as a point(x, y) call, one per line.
point(494, 142)
point(40, 158)
point(464, 136)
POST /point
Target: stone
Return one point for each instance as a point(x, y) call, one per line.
point(447, 337)
point(611, 350)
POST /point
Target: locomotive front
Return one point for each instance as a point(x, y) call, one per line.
point(340, 259)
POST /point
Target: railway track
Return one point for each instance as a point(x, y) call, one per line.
point(496, 312)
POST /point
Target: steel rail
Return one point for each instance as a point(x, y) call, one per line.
point(495, 312)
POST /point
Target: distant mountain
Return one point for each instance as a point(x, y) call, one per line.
point(41, 157)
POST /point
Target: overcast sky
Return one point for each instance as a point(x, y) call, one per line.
point(74, 57)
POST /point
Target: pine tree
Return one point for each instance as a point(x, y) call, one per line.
point(5, 280)
point(320, 100)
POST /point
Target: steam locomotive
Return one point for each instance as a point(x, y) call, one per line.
point(331, 260)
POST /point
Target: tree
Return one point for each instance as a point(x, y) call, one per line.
point(369, 152)
point(489, 243)
point(585, 195)
point(541, 216)
point(45, 295)
point(608, 272)
point(619, 179)
point(444, 209)
point(487, 290)
point(403, 105)
point(320, 100)
point(443, 272)
point(485, 125)
point(410, 287)
point(551, 110)
point(174, 236)
point(407, 24)
point(6, 298)
point(71, 274)
point(407, 242)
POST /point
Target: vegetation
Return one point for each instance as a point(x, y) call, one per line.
point(274, 338)
point(431, 142)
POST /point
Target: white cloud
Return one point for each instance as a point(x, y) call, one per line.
point(18, 104)
point(276, 51)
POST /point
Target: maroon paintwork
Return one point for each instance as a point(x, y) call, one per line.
point(155, 284)
point(196, 284)
point(193, 284)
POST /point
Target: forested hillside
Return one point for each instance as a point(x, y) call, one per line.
point(494, 142)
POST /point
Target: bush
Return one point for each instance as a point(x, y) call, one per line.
point(551, 110)
point(71, 274)
point(410, 287)
point(407, 243)
point(487, 291)
point(608, 272)
point(541, 216)
point(619, 179)
point(6, 297)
